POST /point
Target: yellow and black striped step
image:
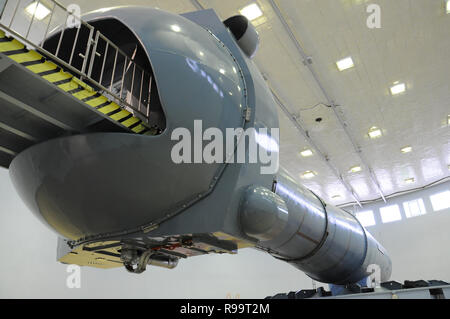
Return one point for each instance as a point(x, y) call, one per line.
point(65, 81)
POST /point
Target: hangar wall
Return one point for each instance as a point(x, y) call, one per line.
point(418, 246)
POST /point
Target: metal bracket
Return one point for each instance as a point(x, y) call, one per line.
point(142, 264)
point(248, 114)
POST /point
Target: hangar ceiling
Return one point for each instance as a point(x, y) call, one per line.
point(412, 47)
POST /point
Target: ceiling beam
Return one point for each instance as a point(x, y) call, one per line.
point(7, 151)
point(198, 5)
point(17, 132)
point(307, 61)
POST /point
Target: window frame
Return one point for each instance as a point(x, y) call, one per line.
point(421, 205)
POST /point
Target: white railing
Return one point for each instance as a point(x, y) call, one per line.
point(35, 23)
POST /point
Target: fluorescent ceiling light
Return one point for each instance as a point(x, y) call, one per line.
point(410, 181)
point(308, 174)
point(447, 7)
point(306, 153)
point(375, 132)
point(398, 88)
point(251, 12)
point(345, 64)
point(39, 11)
point(407, 149)
point(448, 116)
point(355, 169)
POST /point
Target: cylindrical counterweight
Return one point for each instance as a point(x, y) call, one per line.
point(327, 243)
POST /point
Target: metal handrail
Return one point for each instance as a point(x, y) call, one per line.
point(89, 56)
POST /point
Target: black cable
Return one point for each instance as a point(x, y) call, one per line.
point(396, 193)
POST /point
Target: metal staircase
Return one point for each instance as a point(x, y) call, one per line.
point(57, 81)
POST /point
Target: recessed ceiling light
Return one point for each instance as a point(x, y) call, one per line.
point(222, 71)
point(345, 64)
point(398, 88)
point(375, 132)
point(308, 174)
point(355, 169)
point(306, 153)
point(39, 11)
point(406, 149)
point(410, 181)
point(251, 12)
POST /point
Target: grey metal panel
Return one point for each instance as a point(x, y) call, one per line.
point(341, 257)
point(225, 199)
point(307, 219)
point(17, 119)
point(264, 214)
point(5, 159)
point(377, 255)
point(13, 142)
point(75, 187)
point(189, 61)
point(30, 89)
point(65, 192)
point(325, 242)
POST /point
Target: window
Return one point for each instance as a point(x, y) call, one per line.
point(366, 218)
point(440, 201)
point(414, 208)
point(390, 214)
